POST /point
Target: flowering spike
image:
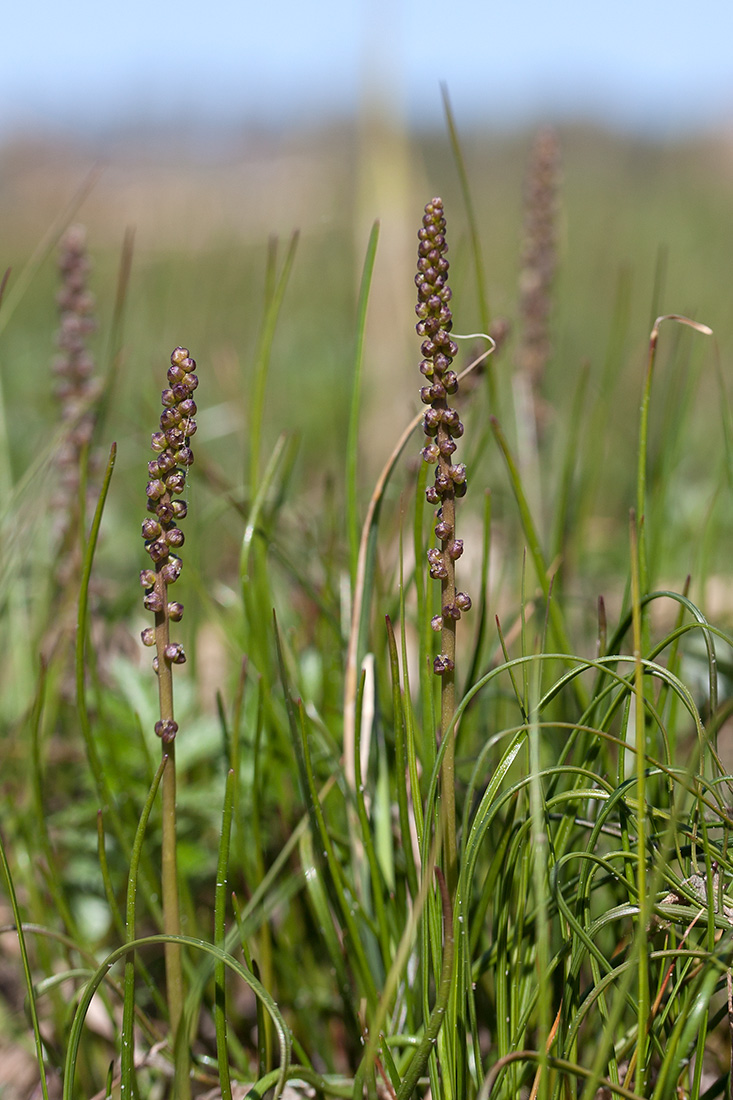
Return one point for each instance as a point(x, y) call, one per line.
point(161, 532)
point(441, 422)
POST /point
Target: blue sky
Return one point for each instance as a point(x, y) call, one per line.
point(645, 64)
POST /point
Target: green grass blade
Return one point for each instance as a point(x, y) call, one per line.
point(264, 351)
point(217, 953)
point(352, 443)
point(27, 973)
point(220, 895)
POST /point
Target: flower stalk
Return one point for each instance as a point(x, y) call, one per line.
point(163, 537)
point(442, 427)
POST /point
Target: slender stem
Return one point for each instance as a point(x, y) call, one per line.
point(169, 870)
point(448, 699)
point(641, 876)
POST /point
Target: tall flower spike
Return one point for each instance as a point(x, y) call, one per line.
point(539, 261)
point(76, 390)
point(167, 472)
point(441, 424)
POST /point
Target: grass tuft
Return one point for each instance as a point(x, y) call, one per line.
point(388, 856)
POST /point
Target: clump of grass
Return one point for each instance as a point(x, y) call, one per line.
point(534, 906)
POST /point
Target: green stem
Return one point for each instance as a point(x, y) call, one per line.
point(169, 869)
point(220, 1007)
point(448, 703)
point(127, 1057)
point(641, 883)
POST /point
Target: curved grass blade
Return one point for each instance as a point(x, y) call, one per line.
point(364, 581)
point(32, 1009)
point(77, 1026)
point(103, 791)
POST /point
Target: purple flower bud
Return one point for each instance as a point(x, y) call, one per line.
point(426, 395)
point(175, 437)
point(438, 572)
point(442, 482)
point(175, 374)
point(174, 653)
point(460, 490)
point(188, 408)
point(175, 611)
point(184, 456)
point(431, 421)
point(455, 549)
point(443, 530)
point(450, 418)
point(176, 482)
point(463, 601)
point(432, 495)
point(458, 473)
point(168, 398)
point(166, 462)
point(434, 555)
point(151, 529)
point(175, 537)
point(450, 381)
point(158, 550)
point(430, 453)
point(165, 511)
point(436, 623)
point(451, 611)
point(442, 664)
point(169, 418)
point(157, 441)
point(154, 467)
point(147, 578)
point(179, 508)
point(447, 447)
point(166, 730)
point(153, 601)
point(171, 571)
point(148, 636)
point(178, 356)
point(426, 368)
point(155, 489)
